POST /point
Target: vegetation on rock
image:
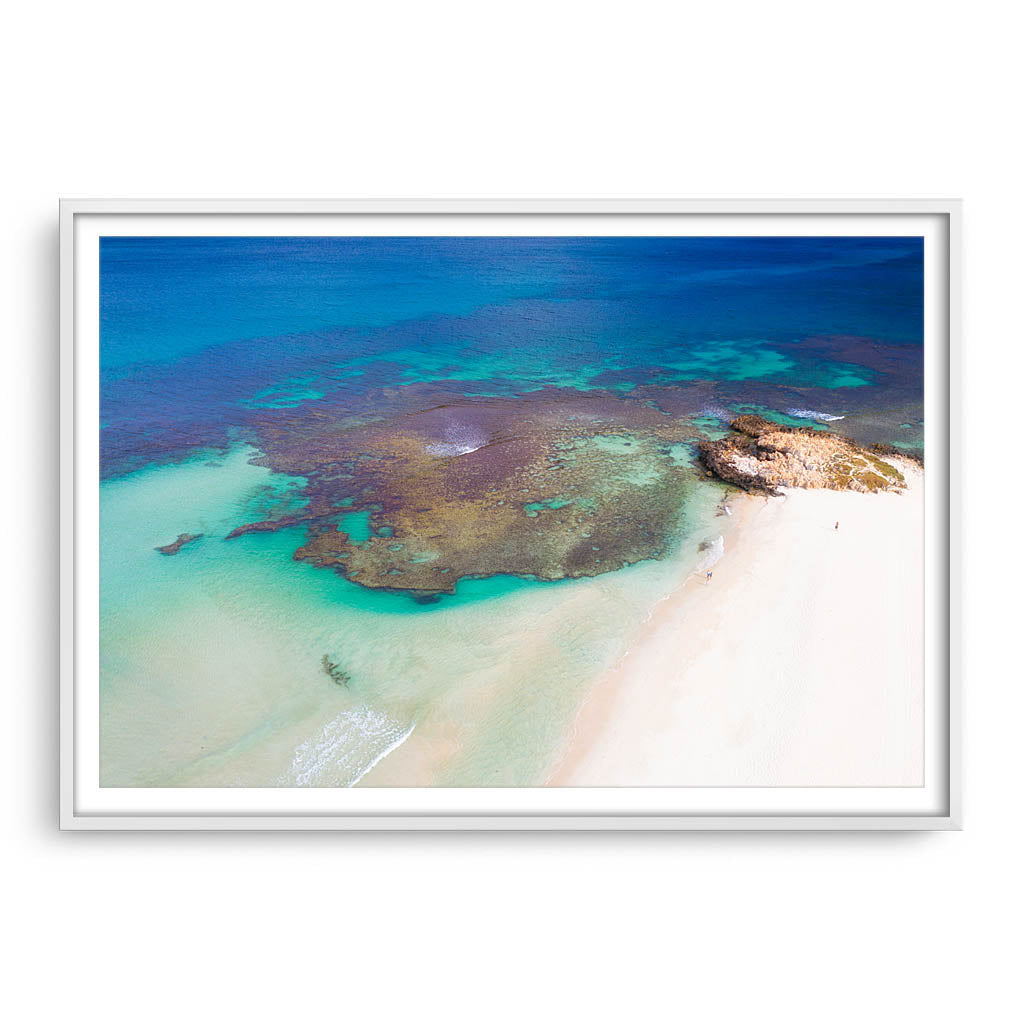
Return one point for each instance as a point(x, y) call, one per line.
point(761, 456)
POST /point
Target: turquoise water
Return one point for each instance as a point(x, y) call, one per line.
point(533, 507)
point(356, 525)
point(211, 659)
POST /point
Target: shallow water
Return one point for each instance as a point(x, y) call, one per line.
point(211, 659)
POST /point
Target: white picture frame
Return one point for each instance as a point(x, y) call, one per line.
point(80, 222)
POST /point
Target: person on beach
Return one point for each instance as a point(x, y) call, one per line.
point(707, 577)
point(837, 524)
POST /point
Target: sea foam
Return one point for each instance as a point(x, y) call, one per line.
point(458, 439)
point(346, 748)
point(813, 414)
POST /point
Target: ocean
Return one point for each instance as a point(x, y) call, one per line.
point(275, 381)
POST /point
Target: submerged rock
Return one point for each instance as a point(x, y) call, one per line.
point(761, 456)
point(175, 546)
point(335, 672)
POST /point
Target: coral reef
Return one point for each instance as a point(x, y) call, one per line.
point(541, 486)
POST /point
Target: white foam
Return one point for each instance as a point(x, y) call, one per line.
point(346, 748)
point(717, 412)
point(813, 414)
point(458, 439)
point(444, 448)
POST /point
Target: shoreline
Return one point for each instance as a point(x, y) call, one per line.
point(800, 664)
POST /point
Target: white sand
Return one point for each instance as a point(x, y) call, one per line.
point(800, 664)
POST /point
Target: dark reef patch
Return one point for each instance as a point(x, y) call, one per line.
point(334, 672)
point(176, 545)
point(549, 485)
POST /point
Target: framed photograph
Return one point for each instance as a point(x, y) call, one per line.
point(511, 514)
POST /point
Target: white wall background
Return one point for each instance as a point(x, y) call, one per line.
point(313, 99)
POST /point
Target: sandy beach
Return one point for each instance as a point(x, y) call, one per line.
point(799, 664)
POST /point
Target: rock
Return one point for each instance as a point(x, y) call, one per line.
point(335, 672)
point(175, 546)
point(762, 456)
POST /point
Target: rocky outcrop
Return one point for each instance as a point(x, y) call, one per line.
point(761, 456)
point(175, 546)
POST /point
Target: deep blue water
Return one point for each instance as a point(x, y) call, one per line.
point(198, 333)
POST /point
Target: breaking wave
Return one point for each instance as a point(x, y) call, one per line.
point(458, 439)
point(813, 414)
point(717, 412)
point(346, 748)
